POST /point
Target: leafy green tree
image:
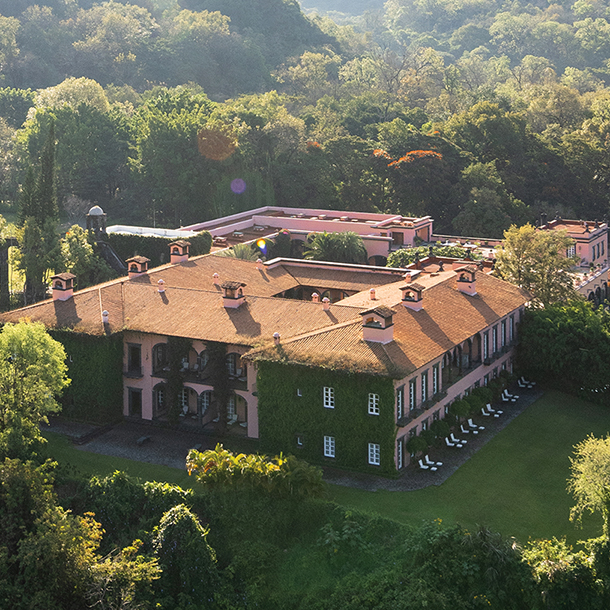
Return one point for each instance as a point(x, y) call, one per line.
point(15, 104)
point(575, 340)
point(589, 480)
point(407, 256)
point(189, 573)
point(345, 247)
point(538, 262)
point(78, 257)
point(33, 373)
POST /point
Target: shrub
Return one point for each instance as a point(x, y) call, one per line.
point(484, 393)
point(416, 444)
point(440, 427)
point(460, 408)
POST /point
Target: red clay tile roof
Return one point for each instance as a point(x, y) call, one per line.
point(447, 319)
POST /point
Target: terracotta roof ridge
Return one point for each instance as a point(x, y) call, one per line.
point(308, 334)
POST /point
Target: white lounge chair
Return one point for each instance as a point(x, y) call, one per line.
point(466, 430)
point(507, 397)
point(474, 426)
point(524, 383)
point(484, 412)
point(431, 462)
point(457, 440)
point(455, 443)
point(426, 467)
point(494, 412)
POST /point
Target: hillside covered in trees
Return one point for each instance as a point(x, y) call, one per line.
point(479, 113)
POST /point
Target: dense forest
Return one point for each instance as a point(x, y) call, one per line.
point(479, 113)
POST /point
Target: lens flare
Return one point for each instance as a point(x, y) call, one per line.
point(238, 186)
point(261, 244)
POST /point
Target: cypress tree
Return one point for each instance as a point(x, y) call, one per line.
point(28, 201)
point(46, 196)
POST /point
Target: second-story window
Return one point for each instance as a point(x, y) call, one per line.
point(435, 379)
point(494, 339)
point(486, 345)
point(503, 334)
point(373, 404)
point(511, 329)
point(424, 386)
point(400, 402)
point(412, 394)
point(329, 398)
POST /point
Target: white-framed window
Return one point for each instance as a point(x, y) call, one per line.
point(503, 333)
point(204, 402)
point(374, 454)
point(231, 363)
point(400, 402)
point(412, 394)
point(329, 397)
point(329, 446)
point(184, 398)
point(436, 415)
point(424, 424)
point(511, 329)
point(231, 407)
point(494, 339)
point(435, 379)
point(485, 345)
point(400, 458)
point(424, 386)
point(602, 248)
point(373, 404)
point(571, 251)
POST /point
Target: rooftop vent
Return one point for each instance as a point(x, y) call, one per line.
point(276, 338)
point(378, 325)
point(233, 294)
point(326, 303)
point(315, 297)
point(161, 286)
point(412, 296)
point(137, 265)
point(179, 251)
point(105, 317)
point(466, 280)
point(63, 286)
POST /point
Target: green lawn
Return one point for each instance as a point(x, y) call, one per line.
point(516, 484)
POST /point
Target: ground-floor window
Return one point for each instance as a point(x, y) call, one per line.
point(400, 453)
point(135, 402)
point(329, 446)
point(374, 454)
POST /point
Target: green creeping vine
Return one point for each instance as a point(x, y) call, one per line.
point(155, 248)
point(95, 366)
point(294, 423)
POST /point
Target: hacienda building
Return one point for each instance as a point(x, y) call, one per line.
point(340, 364)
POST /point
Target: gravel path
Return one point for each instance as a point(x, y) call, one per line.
point(169, 447)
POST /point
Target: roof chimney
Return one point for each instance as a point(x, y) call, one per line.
point(161, 285)
point(137, 265)
point(378, 325)
point(233, 294)
point(466, 280)
point(408, 277)
point(412, 296)
point(63, 286)
point(315, 297)
point(179, 251)
point(104, 317)
point(276, 338)
point(259, 264)
point(372, 294)
point(326, 303)
point(215, 277)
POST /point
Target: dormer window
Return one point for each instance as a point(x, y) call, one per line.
point(378, 324)
point(137, 265)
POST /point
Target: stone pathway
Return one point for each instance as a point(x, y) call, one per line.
point(169, 447)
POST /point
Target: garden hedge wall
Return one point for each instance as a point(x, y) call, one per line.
point(284, 415)
point(155, 248)
point(95, 366)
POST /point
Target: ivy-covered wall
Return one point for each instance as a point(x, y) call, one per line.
point(155, 248)
point(95, 366)
point(284, 415)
